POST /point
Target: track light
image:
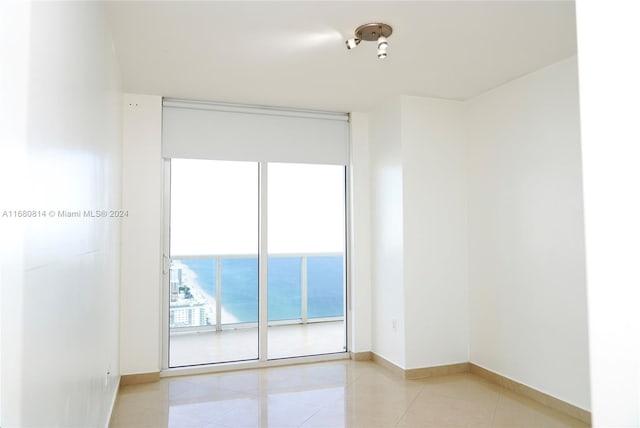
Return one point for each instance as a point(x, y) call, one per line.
point(352, 43)
point(371, 33)
point(382, 42)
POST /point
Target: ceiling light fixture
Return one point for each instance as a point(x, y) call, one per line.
point(382, 42)
point(352, 43)
point(372, 32)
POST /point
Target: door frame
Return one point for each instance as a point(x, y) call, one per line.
point(263, 324)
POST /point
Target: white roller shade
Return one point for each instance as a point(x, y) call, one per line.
point(200, 130)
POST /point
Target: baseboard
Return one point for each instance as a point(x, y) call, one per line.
point(113, 402)
point(534, 394)
point(422, 372)
point(392, 367)
point(133, 379)
point(444, 370)
point(468, 367)
point(362, 356)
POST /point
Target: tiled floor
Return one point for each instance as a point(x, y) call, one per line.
point(242, 344)
point(333, 394)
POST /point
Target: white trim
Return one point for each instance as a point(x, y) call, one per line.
point(244, 256)
point(166, 236)
point(263, 322)
point(346, 289)
point(245, 365)
point(263, 263)
point(250, 109)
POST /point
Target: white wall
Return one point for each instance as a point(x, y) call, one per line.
point(419, 232)
point(15, 19)
point(64, 327)
point(609, 91)
point(360, 227)
point(526, 240)
point(387, 278)
point(435, 232)
point(141, 297)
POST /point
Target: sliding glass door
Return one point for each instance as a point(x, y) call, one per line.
point(213, 284)
point(214, 288)
point(306, 241)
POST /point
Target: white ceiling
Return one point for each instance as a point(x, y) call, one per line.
point(292, 53)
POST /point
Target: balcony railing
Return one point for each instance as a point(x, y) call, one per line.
point(217, 292)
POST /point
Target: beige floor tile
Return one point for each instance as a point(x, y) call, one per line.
point(195, 390)
point(516, 411)
point(326, 395)
point(333, 415)
point(302, 377)
point(239, 412)
point(432, 410)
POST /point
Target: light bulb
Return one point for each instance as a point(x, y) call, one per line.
point(382, 42)
point(352, 43)
point(382, 53)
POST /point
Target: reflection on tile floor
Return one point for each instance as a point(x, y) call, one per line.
point(332, 394)
point(242, 344)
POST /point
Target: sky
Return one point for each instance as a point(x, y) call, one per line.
point(214, 208)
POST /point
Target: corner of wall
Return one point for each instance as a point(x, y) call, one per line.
point(360, 239)
point(526, 235)
point(386, 232)
point(435, 236)
point(141, 251)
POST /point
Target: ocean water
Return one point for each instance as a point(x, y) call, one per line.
point(240, 286)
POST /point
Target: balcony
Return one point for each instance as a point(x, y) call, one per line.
point(213, 309)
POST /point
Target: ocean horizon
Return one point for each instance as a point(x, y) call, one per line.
point(239, 278)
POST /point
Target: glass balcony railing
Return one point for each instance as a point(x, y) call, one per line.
point(219, 292)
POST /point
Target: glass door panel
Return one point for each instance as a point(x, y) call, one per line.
point(285, 293)
point(306, 241)
point(325, 289)
point(213, 279)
